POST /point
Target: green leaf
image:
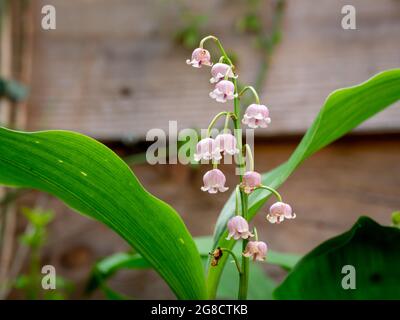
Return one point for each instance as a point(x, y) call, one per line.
point(373, 251)
point(94, 181)
point(343, 110)
point(285, 260)
point(108, 266)
point(113, 295)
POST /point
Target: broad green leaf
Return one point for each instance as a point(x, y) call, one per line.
point(343, 110)
point(285, 260)
point(94, 181)
point(372, 250)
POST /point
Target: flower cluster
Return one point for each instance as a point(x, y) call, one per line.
point(256, 115)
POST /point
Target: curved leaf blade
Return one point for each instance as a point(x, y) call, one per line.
point(343, 110)
point(373, 251)
point(94, 181)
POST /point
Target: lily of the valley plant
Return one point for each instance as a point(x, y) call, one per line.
point(224, 79)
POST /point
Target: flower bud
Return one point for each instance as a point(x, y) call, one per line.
point(238, 228)
point(256, 115)
point(200, 57)
point(279, 211)
point(224, 90)
point(256, 249)
point(214, 181)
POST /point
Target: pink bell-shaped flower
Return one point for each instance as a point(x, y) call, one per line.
point(224, 90)
point(214, 181)
point(200, 57)
point(238, 228)
point(207, 149)
point(219, 71)
point(256, 115)
point(226, 143)
point(250, 181)
point(256, 249)
point(280, 211)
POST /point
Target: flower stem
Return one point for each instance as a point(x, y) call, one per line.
point(253, 91)
point(221, 48)
point(228, 116)
point(234, 258)
point(244, 276)
point(213, 121)
point(249, 154)
point(237, 193)
point(276, 193)
point(255, 234)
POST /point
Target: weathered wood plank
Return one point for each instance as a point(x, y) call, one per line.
point(111, 70)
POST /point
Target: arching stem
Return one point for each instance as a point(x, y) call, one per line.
point(213, 121)
point(249, 154)
point(234, 258)
point(276, 193)
point(237, 195)
point(252, 90)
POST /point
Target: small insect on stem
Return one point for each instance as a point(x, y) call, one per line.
point(216, 256)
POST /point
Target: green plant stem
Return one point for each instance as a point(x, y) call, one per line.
point(244, 275)
point(246, 88)
point(234, 258)
point(237, 194)
point(255, 234)
point(276, 193)
point(213, 121)
point(228, 116)
point(249, 155)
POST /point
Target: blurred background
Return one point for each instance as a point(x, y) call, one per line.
point(116, 69)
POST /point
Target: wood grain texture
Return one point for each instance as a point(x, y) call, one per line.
point(110, 69)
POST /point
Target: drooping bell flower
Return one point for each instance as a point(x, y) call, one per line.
point(214, 181)
point(207, 149)
point(250, 181)
point(200, 57)
point(238, 228)
point(219, 71)
point(226, 143)
point(256, 115)
point(256, 250)
point(224, 90)
point(280, 211)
